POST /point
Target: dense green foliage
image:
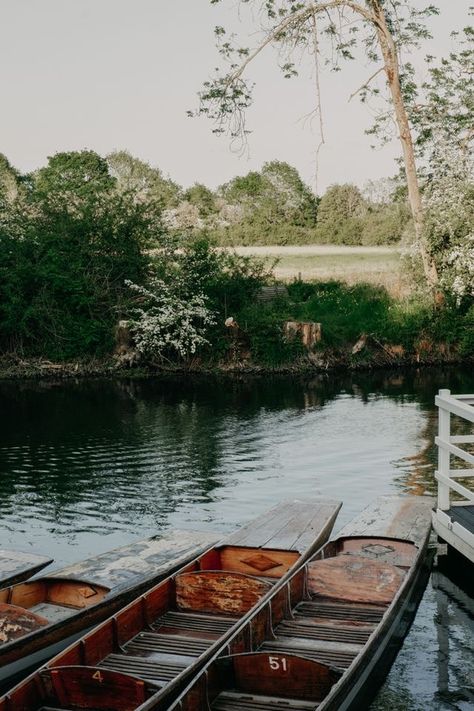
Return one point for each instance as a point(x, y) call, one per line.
point(66, 246)
point(74, 237)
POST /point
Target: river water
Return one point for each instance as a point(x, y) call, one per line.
point(89, 465)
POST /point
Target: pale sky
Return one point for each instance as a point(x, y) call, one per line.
point(121, 74)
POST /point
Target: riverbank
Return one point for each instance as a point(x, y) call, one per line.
point(371, 356)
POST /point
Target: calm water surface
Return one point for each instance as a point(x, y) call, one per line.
point(89, 465)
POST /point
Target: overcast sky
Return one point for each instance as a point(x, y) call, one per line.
point(113, 74)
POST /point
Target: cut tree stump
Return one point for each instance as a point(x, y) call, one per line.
point(308, 332)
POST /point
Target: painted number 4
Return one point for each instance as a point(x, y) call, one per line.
point(277, 663)
point(98, 677)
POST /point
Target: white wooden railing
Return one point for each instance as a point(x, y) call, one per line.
point(448, 446)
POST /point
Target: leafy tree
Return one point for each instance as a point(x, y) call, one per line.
point(443, 108)
point(388, 26)
point(276, 195)
point(147, 184)
point(203, 198)
point(10, 180)
point(72, 181)
point(64, 258)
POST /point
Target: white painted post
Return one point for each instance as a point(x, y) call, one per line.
point(444, 457)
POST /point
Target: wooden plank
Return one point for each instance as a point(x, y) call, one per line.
point(289, 526)
point(90, 687)
point(152, 558)
point(16, 566)
point(282, 675)
point(407, 518)
point(219, 592)
point(271, 563)
point(354, 578)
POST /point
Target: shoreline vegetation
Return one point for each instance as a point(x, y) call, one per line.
point(371, 356)
point(93, 281)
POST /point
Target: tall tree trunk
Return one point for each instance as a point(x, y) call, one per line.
point(389, 52)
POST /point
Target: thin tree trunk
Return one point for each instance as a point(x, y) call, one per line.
point(389, 53)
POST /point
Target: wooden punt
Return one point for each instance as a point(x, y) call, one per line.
point(330, 648)
point(40, 617)
point(164, 636)
point(16, 566)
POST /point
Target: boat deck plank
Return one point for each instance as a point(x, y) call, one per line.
point(16, 566)
point(398, 517)
point(290, 526)
point(153, 557)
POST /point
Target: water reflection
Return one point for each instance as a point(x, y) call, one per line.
point(435, 668)
point(110, 458)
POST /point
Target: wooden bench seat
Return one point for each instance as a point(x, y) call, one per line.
point(235, 701)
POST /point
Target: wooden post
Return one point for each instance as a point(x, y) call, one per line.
point(444, 457)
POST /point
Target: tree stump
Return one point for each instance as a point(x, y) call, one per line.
point(308, 332)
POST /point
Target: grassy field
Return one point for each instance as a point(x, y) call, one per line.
point(375, 265)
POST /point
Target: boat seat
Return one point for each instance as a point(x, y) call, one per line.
point(93, 688)
point(279, 675)
point(16, 622)
point(219, 591)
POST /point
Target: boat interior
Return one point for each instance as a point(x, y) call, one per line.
point(314, 627)
point(30, 606)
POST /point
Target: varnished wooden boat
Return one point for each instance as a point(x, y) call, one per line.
point(171, 630)
point(40, 617)
point(16, 566)
point(330, 648)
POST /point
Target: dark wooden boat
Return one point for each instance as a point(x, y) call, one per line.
point(16, 566)
point(170, 631)
point(40, 617)
point(330, 648)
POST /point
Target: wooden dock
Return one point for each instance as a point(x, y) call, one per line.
point(453, 519)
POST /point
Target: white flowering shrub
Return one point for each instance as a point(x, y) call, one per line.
point(449, 225)
point(169, 324)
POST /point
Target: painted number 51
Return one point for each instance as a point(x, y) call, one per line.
point(277, 663)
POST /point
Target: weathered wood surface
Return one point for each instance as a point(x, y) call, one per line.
point(218, 592)
point(291, 526)
point(16, 566)
point(282, 676)
point(354, 578)
point(269, 563)
point(15, 622)
point(401, 553)
point(150, 558)
point(404, 517)
point(80, 687)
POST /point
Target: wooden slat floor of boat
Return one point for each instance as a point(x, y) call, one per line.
point(159, 656)
point(235, 701)
point(340, 612)
point(209, 624)
point(159, 673)
point(309, 630)
point(330, 655)
point(147, 643)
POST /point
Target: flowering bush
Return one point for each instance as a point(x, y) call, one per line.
point(449, 226)
point(169, 324)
